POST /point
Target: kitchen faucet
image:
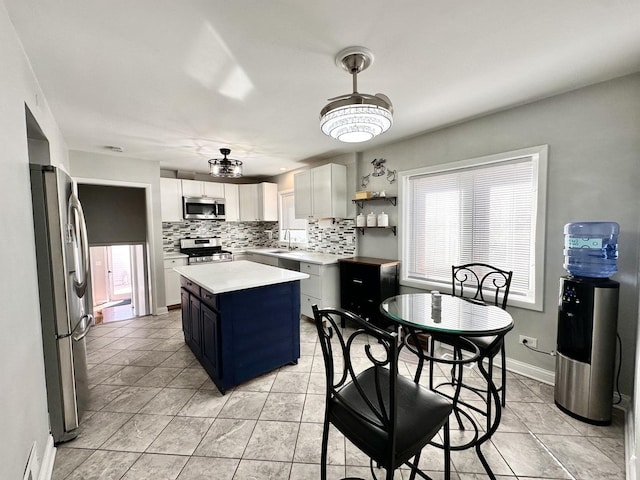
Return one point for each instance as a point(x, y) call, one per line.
point(287, 236)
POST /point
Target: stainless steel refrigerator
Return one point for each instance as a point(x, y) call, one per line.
point(62, 254)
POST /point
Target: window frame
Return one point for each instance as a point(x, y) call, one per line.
point(283, 242)
point(539, 155)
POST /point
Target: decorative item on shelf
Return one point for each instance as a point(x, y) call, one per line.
point(363, 195)
point(356, 117)
point(361, 220)
point(383, 220)
point(372, 220)
point(224, 167)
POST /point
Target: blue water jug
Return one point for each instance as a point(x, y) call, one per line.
point(591, 249)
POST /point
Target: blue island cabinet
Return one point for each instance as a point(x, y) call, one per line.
point(239, 335)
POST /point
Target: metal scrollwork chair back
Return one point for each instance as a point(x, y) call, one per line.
point(387, 416)
point(481, 282)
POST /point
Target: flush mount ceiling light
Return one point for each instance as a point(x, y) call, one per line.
point(356, 117)
point(224, 167)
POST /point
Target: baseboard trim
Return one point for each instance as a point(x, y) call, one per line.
point(531, 371)
point(162, 311)
point(630, 438)
point(48, 459)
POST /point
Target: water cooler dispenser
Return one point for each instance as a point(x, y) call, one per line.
point(587, 322)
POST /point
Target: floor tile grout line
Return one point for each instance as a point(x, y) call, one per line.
point(541, 443)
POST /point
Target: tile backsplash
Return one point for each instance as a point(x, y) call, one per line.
point(233, 235)
point(327, 237)
point(323, 235)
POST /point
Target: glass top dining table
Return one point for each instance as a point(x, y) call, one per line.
point(449, 315)
point(454, 317)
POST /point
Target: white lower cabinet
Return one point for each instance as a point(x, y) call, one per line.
point(265, 259)
point(172, 280)
point(321, 288)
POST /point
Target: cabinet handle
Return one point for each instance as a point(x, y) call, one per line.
point(355, 280)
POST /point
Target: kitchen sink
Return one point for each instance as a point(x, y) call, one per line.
point(277, 251)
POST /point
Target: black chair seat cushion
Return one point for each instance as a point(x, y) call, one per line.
point(489, 346)
point(421, 414)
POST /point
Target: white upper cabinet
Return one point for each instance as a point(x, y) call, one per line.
point(213, 189)
point(231, 202)
point(171, 200)
point(321, 192)
point(258, 202)
point(302, 194)
point(196, 188)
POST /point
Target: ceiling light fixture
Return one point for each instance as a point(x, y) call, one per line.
point(224, 167)
point(356, 117)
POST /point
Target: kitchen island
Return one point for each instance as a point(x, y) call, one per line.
point(240, 319)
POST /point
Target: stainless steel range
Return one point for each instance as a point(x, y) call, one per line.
point(204, 250)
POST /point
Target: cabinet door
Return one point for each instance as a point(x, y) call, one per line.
point(213, 189)
point(186, 315)
point(268, 202)
point(211, 339)
point(302, 194)
point(231, 206)
point(192, 188)
point(321, 191)
point(329, 191)
point(171, 200)
point(196, 327)
point(248, 202)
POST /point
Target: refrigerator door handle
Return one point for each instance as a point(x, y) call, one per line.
point(86, 321)
point(77, 222)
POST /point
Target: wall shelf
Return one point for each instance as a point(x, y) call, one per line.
point(362, 229)
point(361, 201)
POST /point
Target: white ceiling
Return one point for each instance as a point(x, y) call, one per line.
point(174, 81)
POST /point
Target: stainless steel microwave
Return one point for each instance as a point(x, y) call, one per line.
point(203, 208)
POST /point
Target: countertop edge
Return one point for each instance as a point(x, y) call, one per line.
point(190, 272)
point(301, 256)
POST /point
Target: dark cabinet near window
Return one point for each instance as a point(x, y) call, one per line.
point(365, 282)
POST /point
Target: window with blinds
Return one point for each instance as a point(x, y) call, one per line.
point(291, 228)
point(483, 210)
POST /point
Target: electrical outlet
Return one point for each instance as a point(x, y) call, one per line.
point(531, 341)
point(349, 240)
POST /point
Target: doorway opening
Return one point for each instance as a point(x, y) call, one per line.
point(118, 280)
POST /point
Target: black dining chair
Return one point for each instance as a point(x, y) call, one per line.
point(480, 282)
point(387, 416)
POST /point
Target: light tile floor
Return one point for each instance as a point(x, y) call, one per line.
point(154, 414)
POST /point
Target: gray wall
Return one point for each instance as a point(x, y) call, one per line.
point(594, 172)
point(95, 168)
point(24, 418)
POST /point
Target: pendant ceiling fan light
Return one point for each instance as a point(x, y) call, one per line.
point(224, 167)
point(356, 117)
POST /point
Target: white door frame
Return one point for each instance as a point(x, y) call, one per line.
point(150, 245)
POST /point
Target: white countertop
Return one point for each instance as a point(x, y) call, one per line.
point(299, 255)
point(225, 277)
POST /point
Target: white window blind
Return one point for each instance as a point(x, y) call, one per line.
point(289, 224)
point(483, 212)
